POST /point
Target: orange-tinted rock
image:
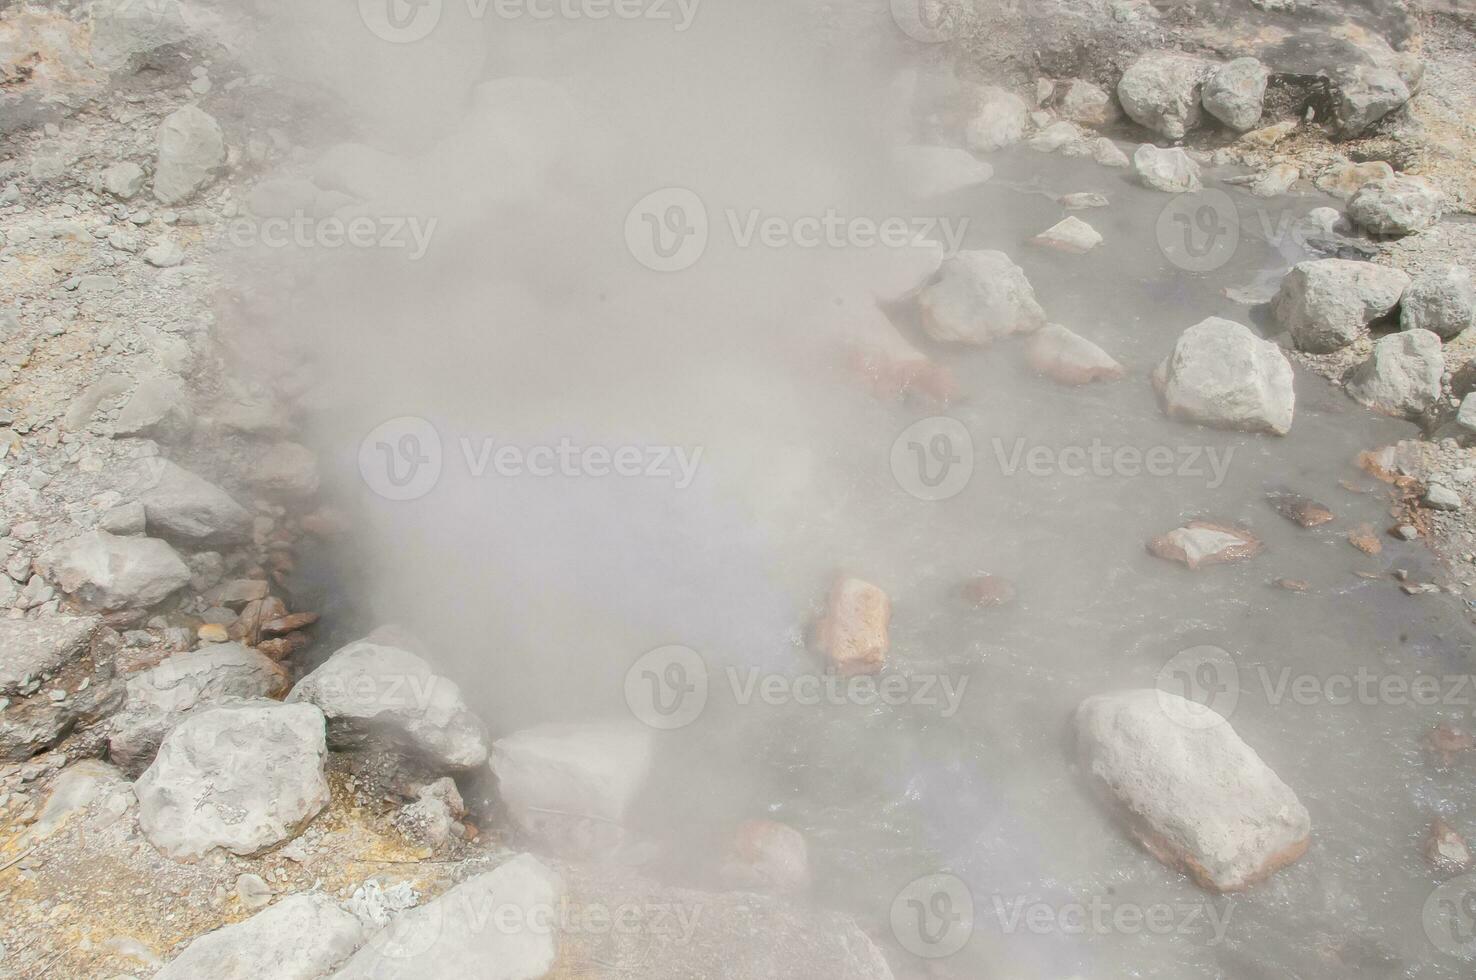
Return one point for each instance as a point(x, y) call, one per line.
point(768, 855)
point(1069, 359)
point(1446, 849)
point(289, 624)
point(1292, 584)
point(1365, 539)
point(283, 646)
point(1201, 543)
point(1445, 740)
point(853, 631)
point(1300, 510)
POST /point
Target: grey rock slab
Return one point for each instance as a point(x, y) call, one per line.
point(32, 647)
point(301, 937)
point(191, 148)
point(105, 571)
point(1401, 377)
point(186, 507)
point(1235, 93)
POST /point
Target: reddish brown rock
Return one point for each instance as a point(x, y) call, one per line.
point(1446, 849)
point(905, 379)
point(1292, 584)
point(284, 646)
point(1445, 740)
point(1069, 359)
point(852, 633)
point(1200, 543)
point(1300, 510)
point(289, 624)
point(1365, 539)
point(989, 590)
point(768, 855)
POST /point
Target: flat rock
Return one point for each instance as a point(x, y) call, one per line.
point(1326, 303)
point(1440, 300)
point(389, 698)
point(499, 925)
point(1071, 234)
point(104, 571)
point(1189, 789)
point(978, 297)
point(302, 937)
point(164, 695)
point(1397, 206)
point(1200, 543)
point(1068, 358)
point(572, 786)
point(1401, 377)
point(1235, 93)
point(1440, 497)
point(32, 647)
point(157, 409)
point(1161, 91)
point(180, 505)
point(1221, 374)
point(243, 777)
point(191, 149)
point(1171, 171)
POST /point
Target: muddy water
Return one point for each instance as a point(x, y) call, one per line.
point(539, 595)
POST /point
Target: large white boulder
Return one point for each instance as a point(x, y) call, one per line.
point(105, 571)
point(572, 786)
point(1235, 93)
point(1401, 377)
point(184, 507)
point(1326, 303)
point(1397, 206)
point(1161, 91)
point(243, 777)
point(1172, 170)
point(375, 695)
point(1221, 374)
point(302, 937)
point(1189, 789)
point(1441, 300)
point(978, 297)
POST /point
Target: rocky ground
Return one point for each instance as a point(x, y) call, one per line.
point(158, 503)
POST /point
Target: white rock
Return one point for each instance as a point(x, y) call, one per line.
point(1397, 206)
point(181, 505)
point(123, 180)
point(1069, 235)
point(1364, 95)
point(979, 297)
point(191, 149)
point(103, 571)
point(1401, 376)
point(1059, 135)
point(1161, 91)
point(164, 254)
point(302, 937)
point(32, 647)
point(1200, 543)
point(1326, 303)
point(997, 121)
point(573, 786)
point(933, 171)
point(162, 696)
point(1442, 301)
point(1275, 180)
point(1190, 789)
point(1107, 153)
point(1070, 359)
point(1235, 93)
point(1171, 170)
point(377, 695)
point(496, 926)
point(244, 777)
point(1221, 374)
point(157, 409)
point(1087, 104)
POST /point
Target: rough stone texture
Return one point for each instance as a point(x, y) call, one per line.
point(1071, 235)
point(1441, 300)
point(286, 468)
point(1365, 94)
point(123, 180)
point(302, 937)
point(1196, 796)
point(191, 149)
point(978, 297)
point(1107, 153)
point(852, 634)
point(1345, 178)
point(573, 786)
point(933, 171)
point(383, 696)
point(1200, 543)
point(463, 934)
point(1161, 91)
point(1087, 104)
point(244, 777)
point(998, 120)
point(1401, 376)
point(164, 695)
point(104, 571)
point(32, 647)
point(1396, 206)
point(1221, 374)
point(180, 505)
point(157, 409)
point(74, 789)
point(1068, 358)
point(1326, 303)
point(1171, 171)
point(1235, 93)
